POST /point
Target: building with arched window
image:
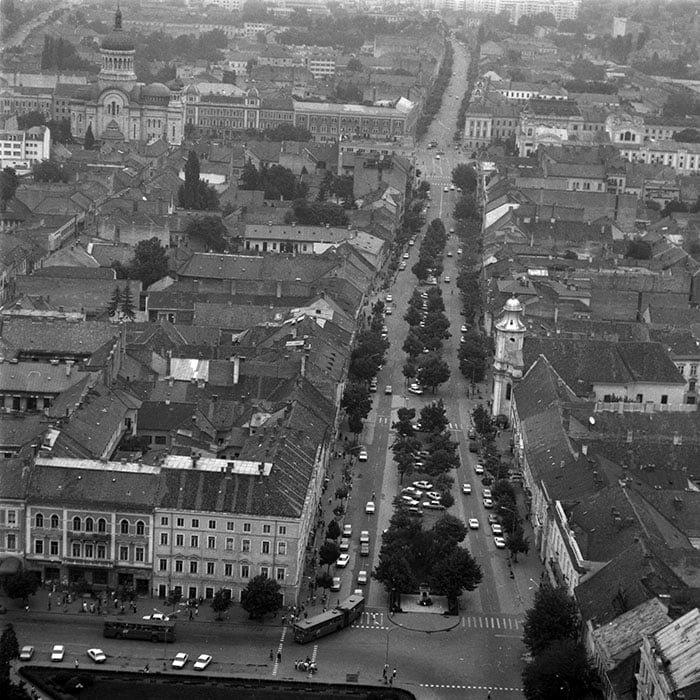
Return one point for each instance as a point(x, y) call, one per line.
point(118, 107)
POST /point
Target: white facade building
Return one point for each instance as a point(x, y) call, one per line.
point(22, 149)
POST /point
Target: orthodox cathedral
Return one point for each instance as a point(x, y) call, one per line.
point(118, 107)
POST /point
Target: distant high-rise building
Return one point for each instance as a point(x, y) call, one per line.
point(560, 9)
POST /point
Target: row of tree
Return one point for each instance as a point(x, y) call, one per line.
point(472, 75)
point(433, 100)
point(430, 254)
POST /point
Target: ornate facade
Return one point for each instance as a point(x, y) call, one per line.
point(118, 107)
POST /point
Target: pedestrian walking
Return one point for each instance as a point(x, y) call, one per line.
point(279, 657)
point(76, 663)
point(385, 670)
point(271, 655)
point(146, 668)
point(393, 674)
point(49, 604)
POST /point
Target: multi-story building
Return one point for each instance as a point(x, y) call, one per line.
point(490, 118)
point(321, 66)
point(20, 100)
point(23, 149)
point(560, 9)
point(684, 158)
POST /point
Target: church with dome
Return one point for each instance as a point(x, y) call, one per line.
point(118, 107)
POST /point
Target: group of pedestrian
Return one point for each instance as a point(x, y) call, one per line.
point(388, 679)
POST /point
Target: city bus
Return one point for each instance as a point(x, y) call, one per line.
point(343, 615)
point(153, 630)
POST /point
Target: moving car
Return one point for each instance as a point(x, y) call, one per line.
point(343, 560)
point(362, 454)
point(362, 578)
point(466, 488)
point(97, 655)
point(412, 241)
point(58, 652)
point(446, 189)
point(459, 251)
point(389, 298)
point(389, 310)
point(449, 253)
point(26, 653)
point(464, 329)
point(473, 523)
point(364, 549)
point(433, 505)
point(180, 660)
point(387, 389)
point(499, 542)
point(416, 388)
point(424, 485)
point(347, 530)
point(406, 256)
point(335, 584)
point(203, 660)
point(344, 544)
point(369, 508)
point(402, 266)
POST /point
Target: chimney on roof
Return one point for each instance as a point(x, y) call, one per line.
point(236, 368)
point(195, 459)
point(278, 289)
point(69, 366)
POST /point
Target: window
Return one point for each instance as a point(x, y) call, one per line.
point(195, 522)
point(76, 524)
point(140, 528)
point(178, 565)
point(164, 538)
point(12, 541)
point(230, 526)
point(160, 440)
point(193, 567)
point(123, 553)
point(212, 524)
point(282, 530)
point(664, 398)
point(280, 574)
point(265, 547)
point(101, 525)
point(211, 542)
point(75, 549)
point(693, 370)
point(139, 554)
point(11, 517)
point(264, 571)
point(246, 527)
point(124, 527)
point(162, 565)
point(245, 545)
point(38, 546)
point(210, 568)
point(281, 548)
point(181, 522)
point(179, 540)
point(640, 398)
point(228, 569)
point(245, 571)
point(266, 529)
point(88, 551)
point(101, 551)
point(194, 540)
point(164, 520)
point(89, 524)
point(39, 520)
point(229, 543)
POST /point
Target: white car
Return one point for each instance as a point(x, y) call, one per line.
point(433, 505)
point(434, 495)
point(478, 468)
point(344, 544)
point(409, 500)
point(406, 256)
point(424, 485)
point(58, 652)
point(362, 578)
point(473, 523)
point(412, 241)
point(449, 253)
point(343, 561)
point(347, 530)
point(388, 389)
point(446, 189)
point(496, 529)
point(464, 329)
point(389, 298)
point(459, 251)
point(488, 503)
point(388, 311)
point(97, 655)
point(446, 280)
point(335, 584)
point(364, 536)
point(452, 187)
point(466, 488)
point(437, 157)
point(416, 388)
point(26, 653)
point(157, 616)
point(402, 266)
point(369, 508)
point(412, 492)
point(486, 493)
point(499, 542)
point(373, 385)
point(180, 660)
point(362, 455)
point(203, 660)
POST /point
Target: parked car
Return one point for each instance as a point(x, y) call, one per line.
point(479, 468)
point(97, 655)
point(58, 652)
point(364, 549)
point(26, 653)
point(449, 253)
point(424, 485)
point(373, 385)
point(406, 256)
point(464, 329)
point(415, 510)
point(180, 660)
point(473, 523)
point(389, 298)
point(466, 488)
point(402, 266)
point(203, 660)
point(446, 279)
point(344, 544)
point(343, 560)
point(347, 530)
point(459, 251)
point(434, 495)
point(335, 584)
point(387, 389)
point(362, 455)
point(364, 536)
point(486, 493)
point(496, 529)
point(416, 389)
point(160, 617)
point(409, 500)
point(412, 492)
point(488, 503)
point(362, 578)
point(493, 518)
point(499, 542)
point(369, 508)
point(433, 505)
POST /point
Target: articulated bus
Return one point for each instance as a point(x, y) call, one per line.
point(343, 615)
point(153, 630)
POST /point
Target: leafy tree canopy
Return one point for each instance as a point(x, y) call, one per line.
point(260, 597)
point(211, 231)
point(553, 617)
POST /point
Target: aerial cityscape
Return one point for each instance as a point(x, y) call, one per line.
point(350, 349)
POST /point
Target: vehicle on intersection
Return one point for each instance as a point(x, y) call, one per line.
point(362, 578)
point(343, 615)
point(180, 660)
point(97, 655)
point(203, 660)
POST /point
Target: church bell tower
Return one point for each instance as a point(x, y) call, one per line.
point(508, 358)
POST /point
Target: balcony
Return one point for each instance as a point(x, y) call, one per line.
point(83, 561)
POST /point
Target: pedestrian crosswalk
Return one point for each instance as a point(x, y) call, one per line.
point(371, 620)
point(388, 420)
point(487, 688)
point(491, 622)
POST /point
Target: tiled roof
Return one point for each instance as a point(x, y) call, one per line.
point(37, 377)
point(164, 416)
point(678, 645)
point(18, 430)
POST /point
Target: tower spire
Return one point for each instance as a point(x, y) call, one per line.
point(118, 18)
